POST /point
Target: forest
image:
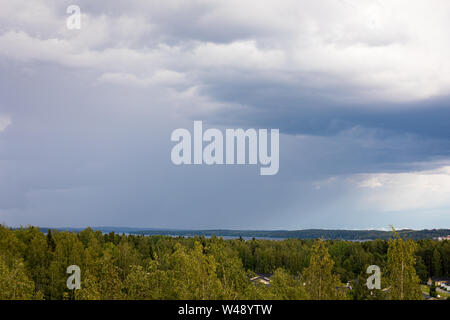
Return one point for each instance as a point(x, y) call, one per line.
point(33, 265)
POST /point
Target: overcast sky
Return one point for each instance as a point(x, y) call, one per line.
point(359, 89)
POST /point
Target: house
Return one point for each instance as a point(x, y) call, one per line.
point(445, 287)
point(343, 289)
point(261, 278)
point(439, 281)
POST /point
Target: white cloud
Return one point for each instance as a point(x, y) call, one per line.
point(159, 78)
point(372, 182)
point(422, 190)
point(386, 50)
point(5, 122)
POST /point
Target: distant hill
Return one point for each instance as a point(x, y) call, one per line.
point(352, 235)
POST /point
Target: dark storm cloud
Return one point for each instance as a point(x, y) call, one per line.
point(358, 91)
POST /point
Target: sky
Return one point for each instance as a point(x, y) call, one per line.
point(359, 89)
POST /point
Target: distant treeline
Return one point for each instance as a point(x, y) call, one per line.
point(351, 235)
point(33, 265)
